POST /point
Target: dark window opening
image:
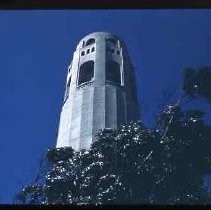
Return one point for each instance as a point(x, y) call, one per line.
point(86, 72)
point(90, 41)
point(88, 51)
point(93, 49)
point(68, 84)
point(67, 90)
point(117, 52)
point(82, 53)
point(113, 72)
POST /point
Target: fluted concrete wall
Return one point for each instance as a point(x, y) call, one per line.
point(98, 103)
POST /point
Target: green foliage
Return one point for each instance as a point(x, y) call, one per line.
point(59, 154)
point(198, 82)
point(135, 164)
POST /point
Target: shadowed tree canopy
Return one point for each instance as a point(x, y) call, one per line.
point(135, 164)
point(197, 82)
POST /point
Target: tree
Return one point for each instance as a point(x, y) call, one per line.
point(132, 165)
point(135, 164)
point(197, 82)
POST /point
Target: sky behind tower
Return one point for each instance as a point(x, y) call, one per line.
point(36, 47)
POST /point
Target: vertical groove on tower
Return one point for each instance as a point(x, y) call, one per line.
point(111, 107)
point(87, 118)
point(70, 102)
point(121, 109)
point(99, 87)
point(76, 120)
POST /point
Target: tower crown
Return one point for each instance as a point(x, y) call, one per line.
point(94, 37)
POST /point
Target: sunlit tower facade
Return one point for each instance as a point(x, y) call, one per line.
point(100, 91)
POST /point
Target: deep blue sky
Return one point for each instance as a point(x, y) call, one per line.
point(36, 48)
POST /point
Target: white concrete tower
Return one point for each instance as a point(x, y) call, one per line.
point(100, 91)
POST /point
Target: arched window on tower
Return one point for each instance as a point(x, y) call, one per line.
point(90, 41)
point(86, 72)
point(67, 90)
point(113, 73)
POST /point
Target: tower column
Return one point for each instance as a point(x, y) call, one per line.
point(100, 91)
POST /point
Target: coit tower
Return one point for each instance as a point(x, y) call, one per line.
point(100, 91)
